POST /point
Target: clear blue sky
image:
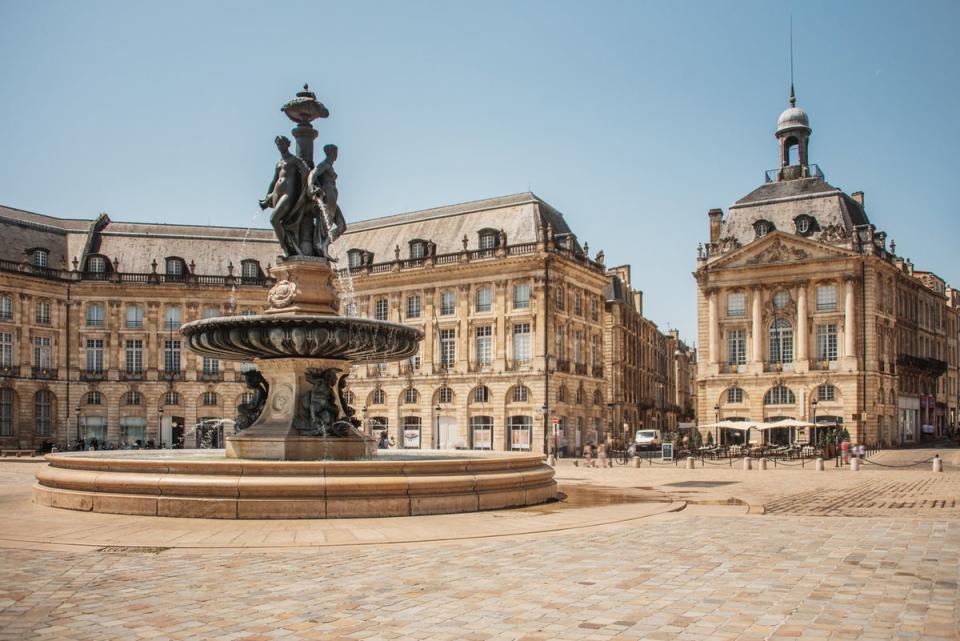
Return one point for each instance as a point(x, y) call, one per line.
point(632, 118)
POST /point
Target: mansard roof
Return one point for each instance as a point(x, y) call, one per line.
point(518, 215)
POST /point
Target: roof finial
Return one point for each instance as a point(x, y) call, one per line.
point(793, 96)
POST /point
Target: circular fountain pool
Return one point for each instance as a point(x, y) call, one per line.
point(204, 484)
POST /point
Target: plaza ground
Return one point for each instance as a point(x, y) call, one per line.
point(658, 552)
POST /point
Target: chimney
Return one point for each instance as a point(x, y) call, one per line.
point(638, 301)
point(858, 196)
point(716, 219)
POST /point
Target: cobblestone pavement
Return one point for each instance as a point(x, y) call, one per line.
point(710, 571)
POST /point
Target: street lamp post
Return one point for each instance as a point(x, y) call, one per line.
point(716, 425)
point(160, 425)
point(813, 404)
point(436, 437)
point(77, 410)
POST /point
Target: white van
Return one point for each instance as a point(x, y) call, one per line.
point(648, 439)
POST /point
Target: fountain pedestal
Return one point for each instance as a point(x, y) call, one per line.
point(293, 401)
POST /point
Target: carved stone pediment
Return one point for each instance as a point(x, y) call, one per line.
point(778, 252)
point(728, 243)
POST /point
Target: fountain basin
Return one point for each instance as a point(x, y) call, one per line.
point(204, 484)
point(266, 336)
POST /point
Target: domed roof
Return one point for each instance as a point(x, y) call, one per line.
point(793, 118)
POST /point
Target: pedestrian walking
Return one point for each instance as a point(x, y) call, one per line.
point(587, 455)
point(862, 451)
point(602, 455)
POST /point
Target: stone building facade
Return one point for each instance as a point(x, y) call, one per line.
point(89, 313)
point(805, 311)
point(515, 313)
point(652, 375)
point(511, 307)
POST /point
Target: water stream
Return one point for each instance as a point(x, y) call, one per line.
point(346, 284)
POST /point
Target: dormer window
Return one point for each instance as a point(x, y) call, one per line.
point(250, 269)
point(355, 258)
point(418, 249)
point(96, 264)
point(488, 238)
point(175, 266)
point(806, 225)
point(40, 257)
point(763, 227)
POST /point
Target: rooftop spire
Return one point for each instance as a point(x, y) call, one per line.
point(793, 96)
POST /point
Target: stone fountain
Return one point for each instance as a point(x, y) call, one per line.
point(298, 451)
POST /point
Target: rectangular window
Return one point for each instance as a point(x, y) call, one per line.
point(210, 312)
point(448, 303)
point(250, 270)
point(41, 352)
point(6, 349)
point(827, 298)
point(411, 432)
point(578, 347)
point(354, 259)
point(594, 309)
point(418, 250)
point(171, 356)
point(827, 342)
point(413, 306)
point(735, 395)
point(43, 313)
point(560, 298)
point(44, 417)
point(578, 304)
point(381, 309)
point(521, 296)
point(484, 299)
point(521, 342)
point(520, 431)
point(94, 354)
point(736, 305)
point(211, 366)
point(134, 317)
point(95, 315)
point(6, 308)
point(448, 347)
point(484, 345)
point(595, 351)
point(172, 318)
point(134, 356)
point(481, 428)
point(737, 347)
point(6, 412)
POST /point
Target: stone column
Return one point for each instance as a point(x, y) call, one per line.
point(713, 327)
point(800, 353)
point(756, 332)
point(429, 330)
point(849, 345)
point(500, 327)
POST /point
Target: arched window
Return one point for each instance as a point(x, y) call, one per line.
point(379, 398)
point(781, 341)
point(348, 397)
point(597, 397)
point(734, 395)
point(94, 398)
point(520, 394)
point(133, 397)
point(43, 414)
point(481, 394)
point(175, 266)
point(210, 399)
point(6, 411)
point(779, 395)
point(418, 248)
point(445, 395)
point(562, 394)
point(171, 398)
point(410, 396)
point(827, 393)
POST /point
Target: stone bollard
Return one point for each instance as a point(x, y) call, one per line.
point(854, 464)
point(763, 464)
point(747, 464)
point(819, 464)
point(937, 463)
point(636, 461)
point(690, 462)
point(551, 460)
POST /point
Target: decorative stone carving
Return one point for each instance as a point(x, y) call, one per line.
point(281, 294)
point(248, 412)
point(778, 253)
point(728, 243)
point(833, 232)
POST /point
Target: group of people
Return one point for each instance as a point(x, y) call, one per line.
point(601, 456)
point(385, 441)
